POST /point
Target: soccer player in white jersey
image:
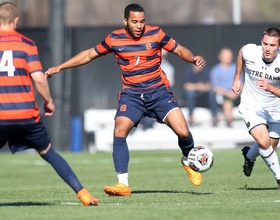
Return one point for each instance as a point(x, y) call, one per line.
point(260, 103)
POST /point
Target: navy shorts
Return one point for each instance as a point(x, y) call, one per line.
point(154, 105)
point(22, 137)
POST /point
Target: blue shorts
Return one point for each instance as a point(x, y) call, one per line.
point(154, 105)
point(22, 137)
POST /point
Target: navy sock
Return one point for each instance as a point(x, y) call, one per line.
point(63, 169)
point(120, 155)
point(186, 144)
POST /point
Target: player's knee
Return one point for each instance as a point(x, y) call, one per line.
point(120, 132)
point(183, 134)
point(264, 143)
point(42, 152)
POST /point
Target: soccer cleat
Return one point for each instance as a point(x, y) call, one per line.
point(118, 190)
point(195, 177)
point(248, 165)
point(86, 198)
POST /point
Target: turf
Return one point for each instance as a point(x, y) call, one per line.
point(30, 189)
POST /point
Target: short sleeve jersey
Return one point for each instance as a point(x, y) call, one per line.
point(255, 68)
point(139, 58)
point(18, 60)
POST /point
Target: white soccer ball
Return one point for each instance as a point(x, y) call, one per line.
point(200, 159)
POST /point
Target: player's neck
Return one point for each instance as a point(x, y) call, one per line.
point(7, 27)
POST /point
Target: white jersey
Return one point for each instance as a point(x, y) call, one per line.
point(255, 68)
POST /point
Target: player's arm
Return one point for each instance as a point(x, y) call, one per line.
point(81, 58)
point(188, 56)
point(236, 85)
point(42, 87)
point(264, 84)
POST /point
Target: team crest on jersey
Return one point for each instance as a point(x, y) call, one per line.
point(277, 70)
point(148, 46)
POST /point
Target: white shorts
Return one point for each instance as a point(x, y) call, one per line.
point(257, 116)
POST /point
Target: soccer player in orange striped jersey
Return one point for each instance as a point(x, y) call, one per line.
point(146, 89)
point(20, 123)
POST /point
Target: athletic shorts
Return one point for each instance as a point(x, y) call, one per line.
point(154, 105)
point(257, 116)
point(22, 137)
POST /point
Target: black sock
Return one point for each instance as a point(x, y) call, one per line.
point(63, 169)
point(186, 145)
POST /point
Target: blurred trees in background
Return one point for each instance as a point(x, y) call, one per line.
point(175, 12)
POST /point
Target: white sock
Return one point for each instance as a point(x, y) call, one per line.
point(271, 159)
point(253, 153)
point(123, 178)
point(185, 160)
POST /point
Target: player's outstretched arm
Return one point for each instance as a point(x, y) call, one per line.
point(82, 58)
point(188, 56)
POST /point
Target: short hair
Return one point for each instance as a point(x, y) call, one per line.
point(8, 12)
point(272, 32)
point(132, 7)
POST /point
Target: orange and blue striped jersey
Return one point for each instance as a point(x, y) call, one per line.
point(18, 60)
point(139, 58)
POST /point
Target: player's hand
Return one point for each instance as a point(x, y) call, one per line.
point(49, 108)
point(51, 71)
point(198, 61)
point(263, 83)
point(236, 87)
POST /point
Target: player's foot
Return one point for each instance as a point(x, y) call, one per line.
point(195, 177)
point(278, 183)
point(248, 165)
point(118, 190)
point(86, 198)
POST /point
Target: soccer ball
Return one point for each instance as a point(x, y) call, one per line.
point(200, 159)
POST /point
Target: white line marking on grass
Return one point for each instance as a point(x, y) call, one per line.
point(24, 162)
point(70, 203)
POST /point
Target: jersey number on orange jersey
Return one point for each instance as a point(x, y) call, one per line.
point(7, 63)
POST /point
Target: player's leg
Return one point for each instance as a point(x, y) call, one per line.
point(250, 154)
point(128, 115)
point(253, 119)
point(176, 121)
point(63, 169)
point(123, 126)
point(36, 136)
point(266, 150)
point(166, 110)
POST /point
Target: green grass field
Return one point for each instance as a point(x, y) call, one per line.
point(30, 189)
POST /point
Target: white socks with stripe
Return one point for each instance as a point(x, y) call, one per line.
point(271, 159)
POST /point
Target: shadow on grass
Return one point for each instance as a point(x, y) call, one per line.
point(167, 191)
point(25, 204)
point(258, 189)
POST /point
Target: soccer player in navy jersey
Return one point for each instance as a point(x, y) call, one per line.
point(146, 90)
point(20, 121)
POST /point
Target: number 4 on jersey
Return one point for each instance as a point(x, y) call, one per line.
point(7, 63)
